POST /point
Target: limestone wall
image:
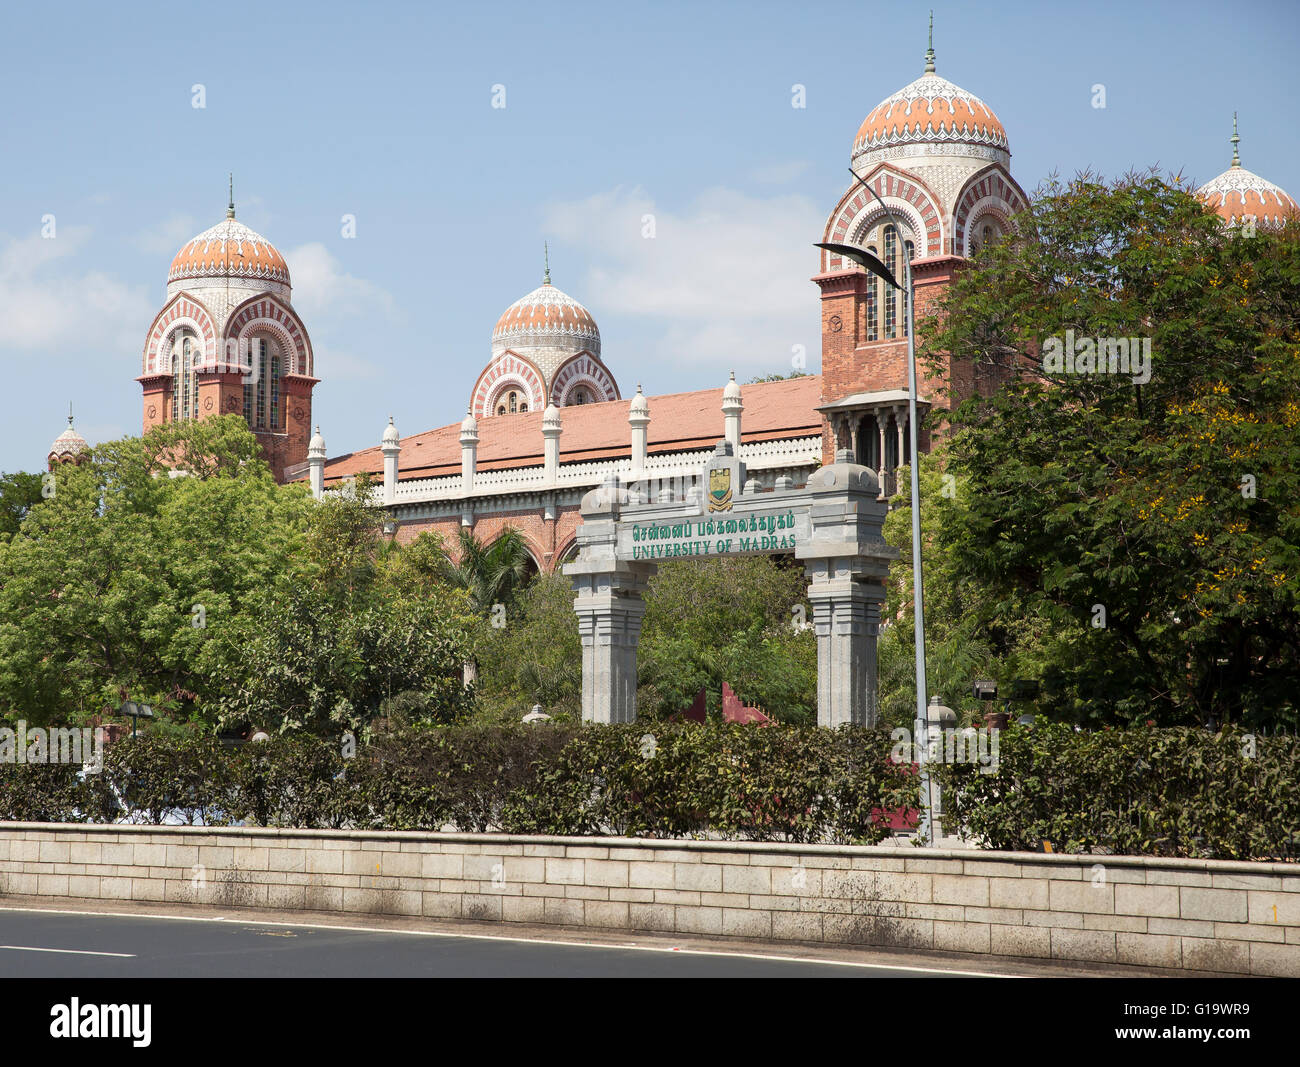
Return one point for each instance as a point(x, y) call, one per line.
point(1233, 917)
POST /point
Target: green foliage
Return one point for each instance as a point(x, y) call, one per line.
point(728, 619)
point(1140, 791)
point(536, 657)
point(219, 597)
point(778, 783)
point(1137, 791)
point(490, 574)
point(707, 621)
point(19, 493)
point(302, 659)
point(1080, 491)
point(150, 778)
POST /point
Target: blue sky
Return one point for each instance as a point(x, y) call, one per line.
point(613, 111)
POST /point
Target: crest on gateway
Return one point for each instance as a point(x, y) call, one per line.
point(720, 486)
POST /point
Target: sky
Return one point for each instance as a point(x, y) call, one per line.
point(613, 112)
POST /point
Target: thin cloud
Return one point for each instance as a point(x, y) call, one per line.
point(724, 281)
point(47, 305)
point(323, 290)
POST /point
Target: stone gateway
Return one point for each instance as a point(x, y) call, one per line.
point(833, 524)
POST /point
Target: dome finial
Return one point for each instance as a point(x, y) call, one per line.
point(546, 252)
point(69, 414)
point(929, 52)
point(230, 208)
point(1235, 140)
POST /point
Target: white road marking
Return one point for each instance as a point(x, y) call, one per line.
point(67, 951)
point(864, 965)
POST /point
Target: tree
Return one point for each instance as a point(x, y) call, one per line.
point(736, 619)
point(19, 493)
point(536, 657)
point(490, 574)
point(114, 584)
point(1152, 526)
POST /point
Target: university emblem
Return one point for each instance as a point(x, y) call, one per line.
point(720, 489)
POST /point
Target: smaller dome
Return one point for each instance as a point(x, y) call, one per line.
point(69, 446)
point(1238, 194)
point(546, 317)
point(469, 424)
point(551, 417)
point(391, 436)
point(316, 446)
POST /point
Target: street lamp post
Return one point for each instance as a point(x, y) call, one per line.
point(861, 256)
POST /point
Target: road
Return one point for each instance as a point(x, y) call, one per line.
point(49, 944)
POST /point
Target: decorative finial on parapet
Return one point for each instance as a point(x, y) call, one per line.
point(929, 52)
point(1236, 159)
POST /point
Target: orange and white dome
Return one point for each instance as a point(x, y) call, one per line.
point(931, 112)
point(229, 250)
point(546, 318)
point(1238, 194)
point(930, 117)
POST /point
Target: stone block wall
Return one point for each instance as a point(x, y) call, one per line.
point(1237, 918)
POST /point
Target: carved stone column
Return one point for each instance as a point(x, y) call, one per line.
point(846, 561)
point(610, 610)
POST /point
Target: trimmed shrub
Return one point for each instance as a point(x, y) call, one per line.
point(1140, 791)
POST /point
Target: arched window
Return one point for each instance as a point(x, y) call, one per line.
point(514, 402)
point(262, 384)
point(873, 327)
point(909, 251)
point(185, 391)
point(886, 307)
point(580, 396)
point(987, 234)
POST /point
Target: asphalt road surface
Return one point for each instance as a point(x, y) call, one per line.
point(44, 944)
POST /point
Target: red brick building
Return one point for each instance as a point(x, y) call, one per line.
point(228, 340)
point(546, 420)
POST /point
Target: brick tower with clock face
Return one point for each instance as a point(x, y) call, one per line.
point(228, 341)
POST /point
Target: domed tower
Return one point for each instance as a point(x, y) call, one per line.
point(545, 350)
point(68, 447)
point(228, 340)
point(1239, 196)
point(939, 158)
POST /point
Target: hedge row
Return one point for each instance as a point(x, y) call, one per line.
point(1160, 792)
point(774, 784)
point(1138, 791)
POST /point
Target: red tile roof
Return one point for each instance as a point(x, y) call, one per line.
point(678, 422)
